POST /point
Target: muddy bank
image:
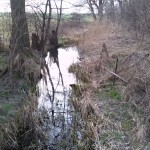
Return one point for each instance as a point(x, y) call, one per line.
point(17, 99)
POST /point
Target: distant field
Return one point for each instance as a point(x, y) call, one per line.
point(74, 16)
point(5, 27)
point(5, 23)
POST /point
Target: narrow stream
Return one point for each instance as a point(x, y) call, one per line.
point(59, 115)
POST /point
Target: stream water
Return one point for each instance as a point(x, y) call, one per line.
point(60, 123)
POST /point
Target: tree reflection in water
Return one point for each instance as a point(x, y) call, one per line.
point(59, 116)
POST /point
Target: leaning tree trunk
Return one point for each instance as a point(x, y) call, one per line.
point(19, 34)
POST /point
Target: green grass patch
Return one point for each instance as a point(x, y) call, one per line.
point(128, 124)
point(5, 94)
point(114, 94)
point(65, 41)
point(111, 92)
point(110, 135)
point(6, 108)
point(3, 61)
point(6, 111)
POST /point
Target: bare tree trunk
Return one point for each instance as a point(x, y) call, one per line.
point(100, 10)
point(45, 29)
point(59, 15)
point(19, 34)
point(98, 5)
point(121, 8)
point(112, 10)
point(92, 9)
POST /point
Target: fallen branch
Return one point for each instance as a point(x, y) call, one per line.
point(116, 75)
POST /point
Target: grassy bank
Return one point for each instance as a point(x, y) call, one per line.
point(19, 124)
point(115, 100)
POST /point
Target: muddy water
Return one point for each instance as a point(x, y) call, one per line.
point(60, 119)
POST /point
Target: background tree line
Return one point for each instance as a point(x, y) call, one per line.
point(134, 12)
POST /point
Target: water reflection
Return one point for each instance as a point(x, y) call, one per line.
point(58, 116)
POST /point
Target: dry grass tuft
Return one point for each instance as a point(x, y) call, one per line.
point(25, 131)
point(19, 133)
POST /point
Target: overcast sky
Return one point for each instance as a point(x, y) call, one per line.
point(4, 5)
point(67, 4)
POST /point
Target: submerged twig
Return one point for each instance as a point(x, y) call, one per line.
point(60, 75)
point(50, 79)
